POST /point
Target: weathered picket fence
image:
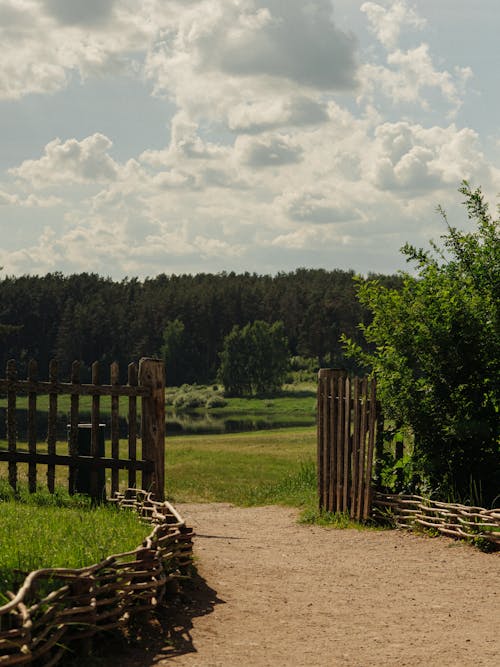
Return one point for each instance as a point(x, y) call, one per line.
point(347, 421)
point(146, 383)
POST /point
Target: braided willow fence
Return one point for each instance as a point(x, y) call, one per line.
point(450, 519)
point(57, 607)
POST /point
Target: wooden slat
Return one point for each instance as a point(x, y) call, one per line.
point(11, 420)
point(339, 444)
point(347, 447)
point(152, 374)
point(132, 424)
point(32, 376)
point(332, 439)
point(325, 433)
point(319, 442)
point(94, 438)
point(355, 446)
point(52, 426)
point(73, 428)
point(372, 417)
point(115, 425)
point(23, 387)
point(362, 450)
point(24, 456)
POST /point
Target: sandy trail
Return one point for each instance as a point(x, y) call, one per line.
point(275, 593)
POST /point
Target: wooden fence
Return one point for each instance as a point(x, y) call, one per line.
point(347, 422)
point(146, 382)
point(449, 519)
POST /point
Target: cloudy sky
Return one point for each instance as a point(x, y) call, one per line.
point(149, 136)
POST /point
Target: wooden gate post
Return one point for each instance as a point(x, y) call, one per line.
point(152, 375)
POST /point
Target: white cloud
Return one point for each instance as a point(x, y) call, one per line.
point(265, 158)
point(73, 161)
point(387, 22)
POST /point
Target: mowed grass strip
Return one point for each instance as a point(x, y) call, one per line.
point(261, 467)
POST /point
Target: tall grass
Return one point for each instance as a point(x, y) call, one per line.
point(46, 531)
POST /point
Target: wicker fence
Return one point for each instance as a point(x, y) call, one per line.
point(145, 383)
point(40, 627)
point(450, 519)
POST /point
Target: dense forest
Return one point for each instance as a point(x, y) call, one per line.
point(88, 317)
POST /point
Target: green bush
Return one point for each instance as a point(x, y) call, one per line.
point(436, 355)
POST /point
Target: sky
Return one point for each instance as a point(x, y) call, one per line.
point(140, 137)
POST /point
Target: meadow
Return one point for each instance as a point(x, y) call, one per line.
point(44, 530)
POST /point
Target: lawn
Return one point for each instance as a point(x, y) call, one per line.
point(260, 467)
point(45, 530)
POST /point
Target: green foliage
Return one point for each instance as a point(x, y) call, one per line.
point(436, 354)
point(254, 359)
point(173, 352)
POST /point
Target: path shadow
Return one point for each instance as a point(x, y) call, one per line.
point(167, 632)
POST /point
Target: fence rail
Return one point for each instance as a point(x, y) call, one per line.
point(347, 420)
point(145, 382)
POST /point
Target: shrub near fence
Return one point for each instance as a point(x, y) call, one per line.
point(146, 383)
point(78, 604)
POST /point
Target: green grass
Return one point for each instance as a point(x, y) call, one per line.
point(44, 530)
point(273, 466)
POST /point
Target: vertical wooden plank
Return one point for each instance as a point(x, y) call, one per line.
point(332, 439)
point(372, 417)
point(52, 425)
point(11, 375)
point(73, 427)
point(94, 437)
point(32, 377)
point(355, 446)
point(320, 442)
point(339, 445)
point(132, 425)
point(152, 375)
point(347, 446)
point(115, 425)
point(324, 430)
point(362, 450)
point(379, 447)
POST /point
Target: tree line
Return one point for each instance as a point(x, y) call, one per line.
point(93, 318)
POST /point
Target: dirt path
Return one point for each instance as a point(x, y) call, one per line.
point(275, 593)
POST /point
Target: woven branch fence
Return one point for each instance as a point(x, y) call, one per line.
point(450, 519)
point(39, 626)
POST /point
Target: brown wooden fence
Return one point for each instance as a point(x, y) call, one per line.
point(347, 423)
point(146, 382)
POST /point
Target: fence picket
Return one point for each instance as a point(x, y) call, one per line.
point(347, 446)
point(32, 378)
point(11, 420)
point(132, 425)
point(73, 428)
point(355, 446)
point(52, 426)
point(94, 437)
point(115, 435)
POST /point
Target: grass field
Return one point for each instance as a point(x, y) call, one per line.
point(256, 467)
point(57, 530)
point(274, 466)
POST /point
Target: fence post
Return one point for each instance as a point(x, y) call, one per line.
point(152, 375)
